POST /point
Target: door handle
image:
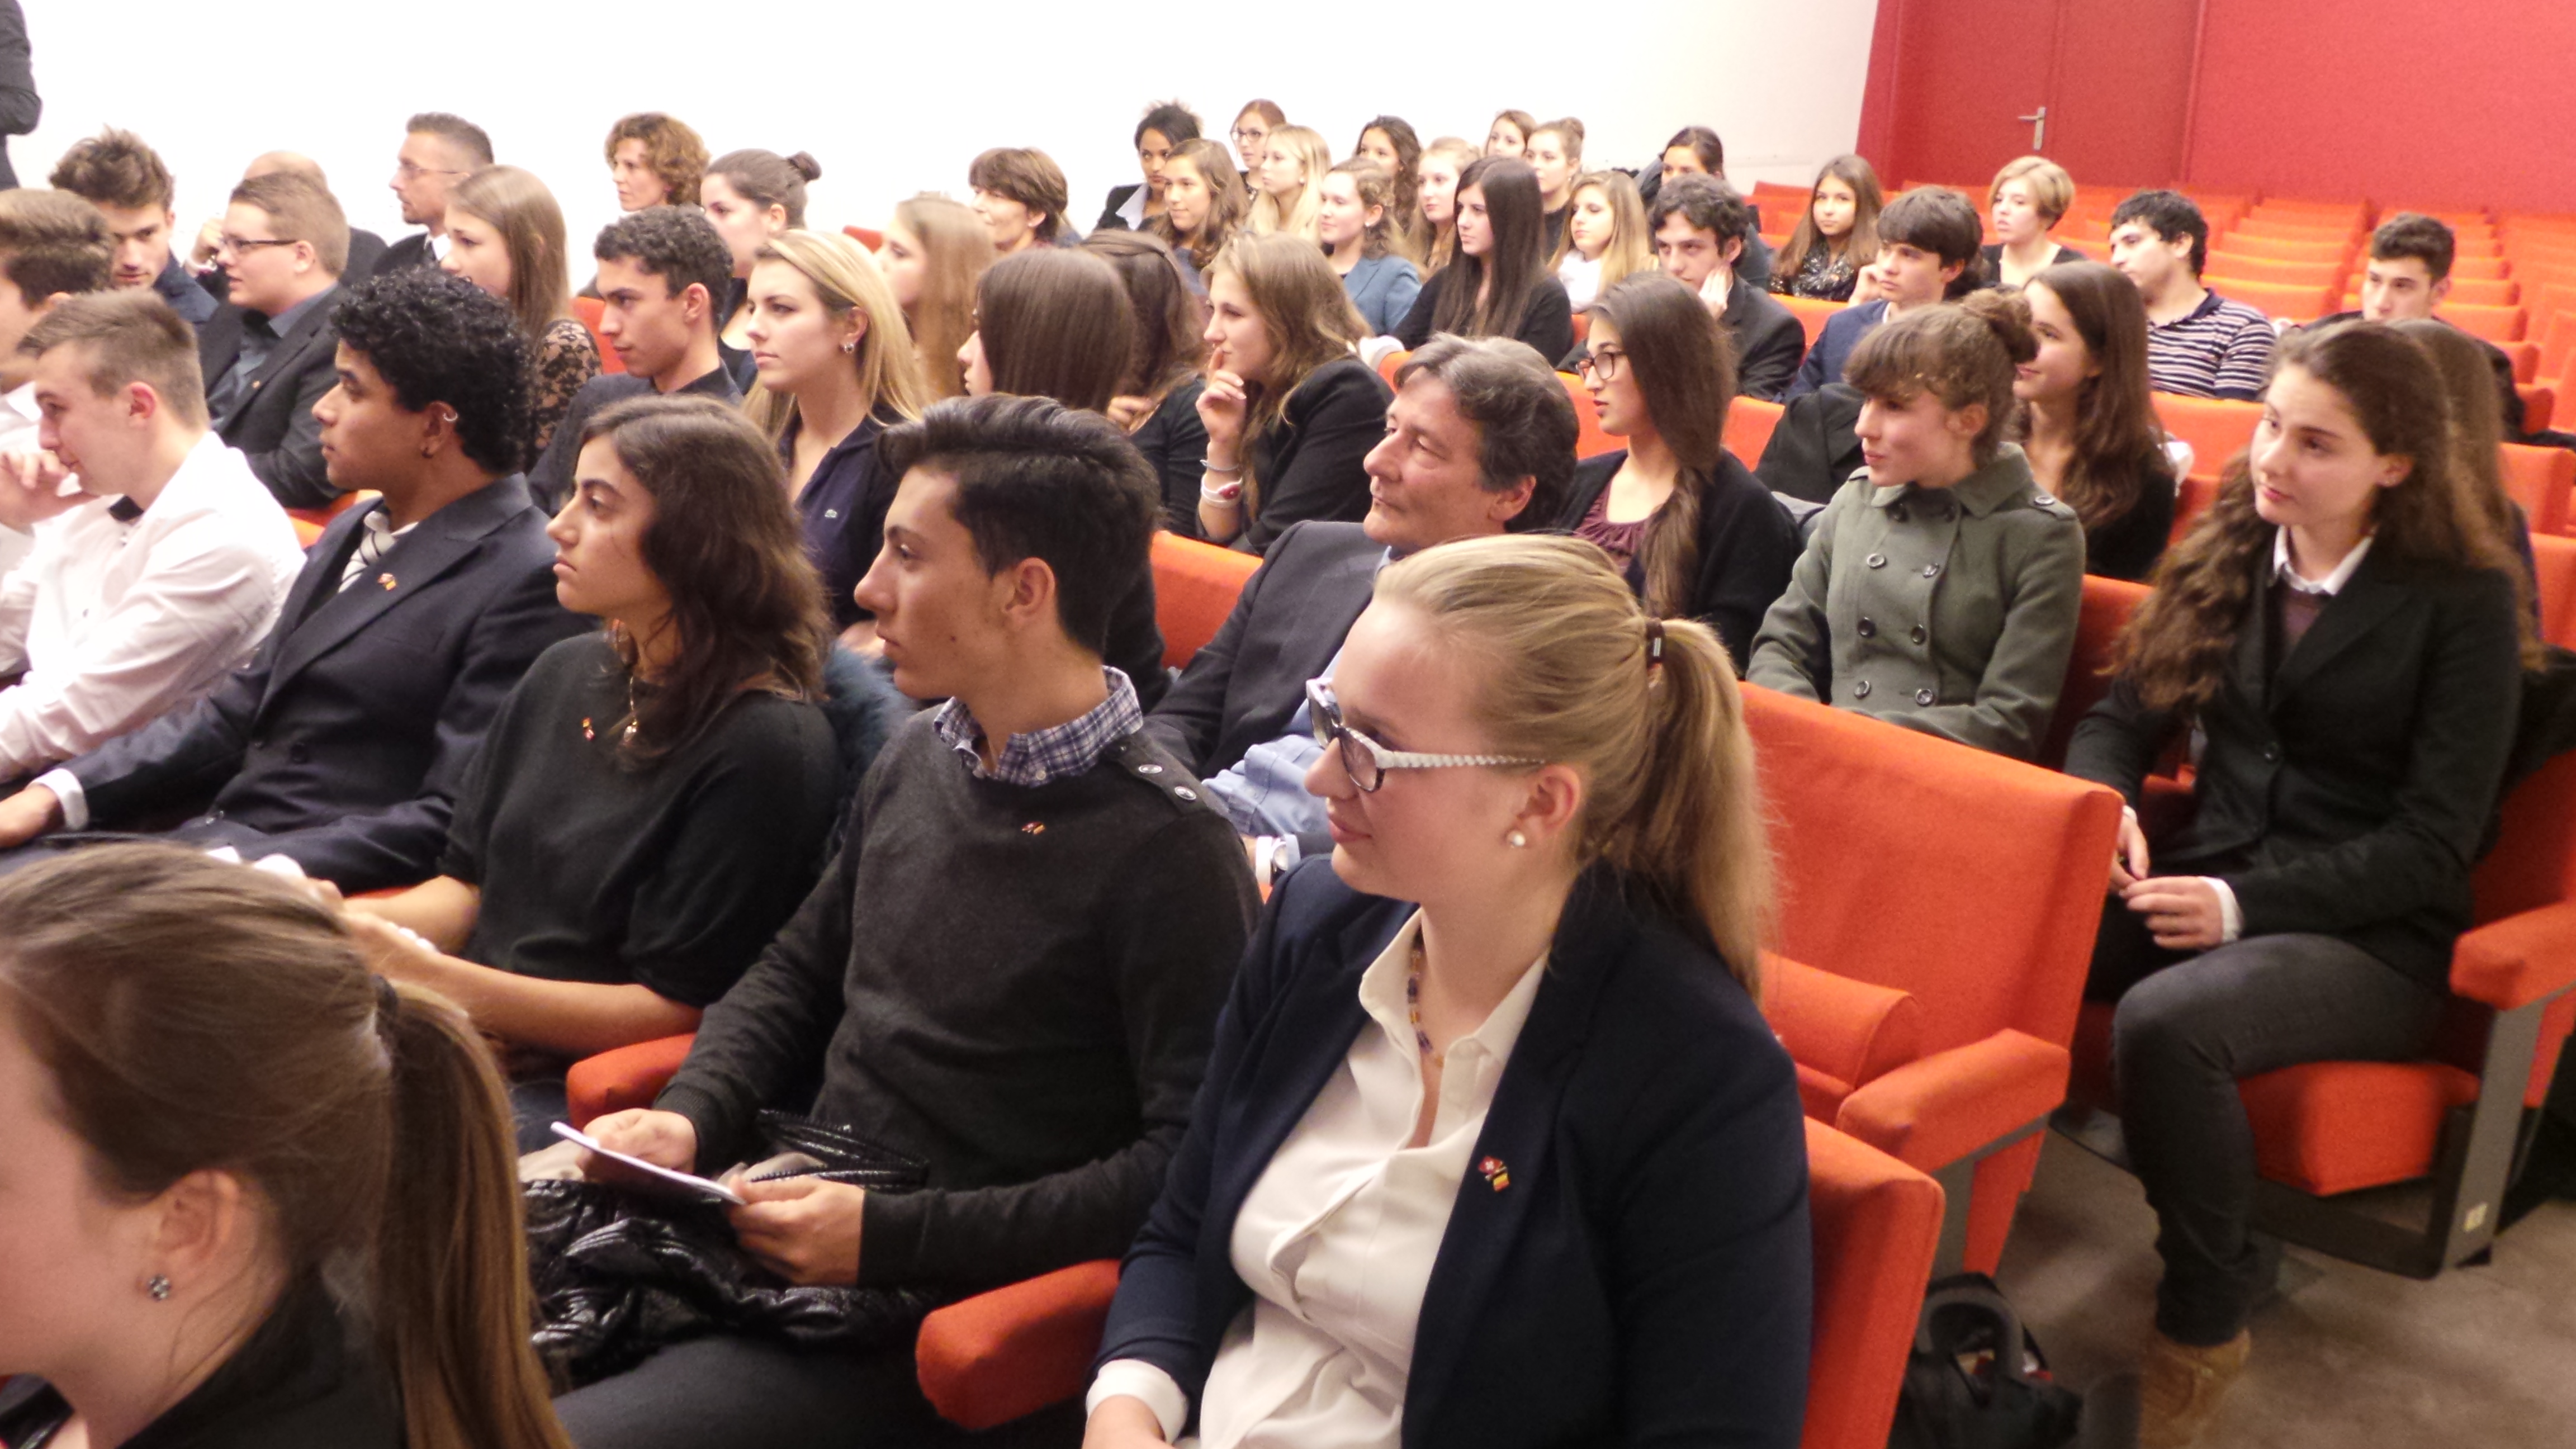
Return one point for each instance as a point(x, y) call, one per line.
point(2038, 128)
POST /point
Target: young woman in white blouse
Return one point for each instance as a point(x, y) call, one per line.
point(1493, 1141)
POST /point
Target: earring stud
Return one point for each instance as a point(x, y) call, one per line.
point(1516, 840)
point(158, 1287)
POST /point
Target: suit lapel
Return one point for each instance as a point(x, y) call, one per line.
point(219, 342)
point(435, 546)
point(290, 349)
point(2367, 600)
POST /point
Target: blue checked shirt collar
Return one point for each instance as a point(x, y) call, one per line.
point(1048, 754)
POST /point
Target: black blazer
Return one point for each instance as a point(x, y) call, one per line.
point(1287, 624)
point(410, 251)
point(343, 743)
point(19, 104)
point(1769, 341)
point(1547, 323)
point(2343, 788)
point(1306, 464)
point(1747, 545)
point(274, 427)
point(1110, 220)
point(1644, 1277)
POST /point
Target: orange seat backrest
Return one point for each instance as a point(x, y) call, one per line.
point(2191, 500)
point(2271, 271)
point(1749, 421)
point(2539, 480)
point(2242, 244)
point(2291, 303)
point(1389, 365)
point(1589, 440)
point(1990, 928)
point(1876, 1223)
point(2555, 559)
point(873, 240)
point(2217, 428)
point(1812, 313)
point(2538, 402)
point(1195, 586)
point(588, 310)
point(2495, 324)
point(2108, 603)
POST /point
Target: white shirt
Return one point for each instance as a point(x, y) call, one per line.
point(117, 623)
point(1338, 1237)
point(17, 432)
point(1582, 279)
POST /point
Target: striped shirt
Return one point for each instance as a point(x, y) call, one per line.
point(1052, 753)
point(2219, 349)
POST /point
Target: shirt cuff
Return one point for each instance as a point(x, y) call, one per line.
point(1136, 1379)
point(68, 793)
point(2231, 917)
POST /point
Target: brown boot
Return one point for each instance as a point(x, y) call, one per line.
point(2182, 1386)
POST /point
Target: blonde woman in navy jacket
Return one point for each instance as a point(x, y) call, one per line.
point(1494, 1147)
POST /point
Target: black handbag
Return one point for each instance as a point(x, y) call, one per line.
point(1976, 1379)
point(620, 1274)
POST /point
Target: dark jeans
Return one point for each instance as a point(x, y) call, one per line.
point(749, 1393)
point(536, 1105)
point(2188, 1027)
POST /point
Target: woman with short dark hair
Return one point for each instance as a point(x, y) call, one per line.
point(1019, 193)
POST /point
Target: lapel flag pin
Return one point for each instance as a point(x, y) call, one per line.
point(387, 580)
point(1495, 1172)
point(1034, 827)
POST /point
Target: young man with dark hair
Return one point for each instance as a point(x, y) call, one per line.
point(266, 353)
point(438, 150)
point(115, 172)
point(1929, 242)
point(164, 568)
point(343, 745)
point(1010, 971)
point(2199, 344)
point(2407, 276)
point(1701, 228)
point(663, 272)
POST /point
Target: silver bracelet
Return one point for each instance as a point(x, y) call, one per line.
point(1208, 465)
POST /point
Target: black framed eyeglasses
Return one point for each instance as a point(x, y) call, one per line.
point(240, 244)
point(1365, 760)
point(1603, 364)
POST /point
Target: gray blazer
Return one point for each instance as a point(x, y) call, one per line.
point(1950, 611)
point(1383, 289)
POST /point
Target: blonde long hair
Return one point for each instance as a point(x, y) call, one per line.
point(846, 280)
point(1563, 654)
point(1316, 156)
point(956, 248)
point(1632, 245)
point(517, 204)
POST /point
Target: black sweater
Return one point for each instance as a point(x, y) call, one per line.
point(2128, 546)
point(1306, 464)
point(1017, 984)
point(1547, 323)
point(1747, 545)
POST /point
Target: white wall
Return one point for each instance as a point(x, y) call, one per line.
point(896, 98)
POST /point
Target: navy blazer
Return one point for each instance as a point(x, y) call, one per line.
point(1645, 1273)
point(1843, 332)
point(342, 744)
point(274, 427)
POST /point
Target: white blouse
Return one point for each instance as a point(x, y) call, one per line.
point(1582, 279)
point(1338, 1236)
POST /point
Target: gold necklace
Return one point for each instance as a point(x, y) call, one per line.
point(627, 736)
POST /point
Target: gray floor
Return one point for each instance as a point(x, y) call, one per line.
point(2346, 1356)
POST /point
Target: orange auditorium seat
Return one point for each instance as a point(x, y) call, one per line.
point(1589, 440)
point(2480, 269)
point(2190, 502)
point(1749, 421)
point(2555, 560)
point(873, 240)
point(2108, 603)
point(2228, 266)
point(1812, 314)
point(2240, 244)
point(1389, 365)
point(2217, 428)
point(2284, 303)
point(588, 310)
point(2539, 480)
point(2537, 402)
point(2495, 324)
point(1195, 585)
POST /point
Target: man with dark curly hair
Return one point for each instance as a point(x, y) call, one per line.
point(663, 272)
point(343, 744)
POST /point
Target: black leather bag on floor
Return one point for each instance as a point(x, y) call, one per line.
point(1976, 1379)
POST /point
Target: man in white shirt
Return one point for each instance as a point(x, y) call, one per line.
point(53, 244)
point(161, 571)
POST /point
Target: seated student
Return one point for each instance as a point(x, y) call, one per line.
point(1290, 413)
point(654, 160)
point(1940, 589)
point(124, 178)
point(1927, 253)
point(2407, 275)
point(1696, 537)
point(2340, 630)
point(53, 245)
point(1479, 440)
point(1443, 162)
point(1555, 153)
point(2199, 344)
point(266, 354)
point(1606, 238)
point(1026, 826)
point(1390, 141)
point(438, 151)
point(651, 801)
point(2026, 201)
point(2477, 433)
point(935, 252)
point(1509, 134)
point(366, 249)
point(257, 1194)
point(1057, 324)
point(1697, 150)
point(1355, 221)
point(164, 570)
point(1700, 228)
point(344, 742)
point(751, 196)
point(1290, 184)
point(1157, 400)
point(1837, 236)
point(1020, 195)
point(1204, 205)
point(1556, 885)
point(2088, 424)
point(661, 273)
point(1251, 136)
point(1498, 286)
point(506, 235)
point(1166, 125)
point(837, 369)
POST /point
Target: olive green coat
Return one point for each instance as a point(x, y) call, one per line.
point(1945, 610)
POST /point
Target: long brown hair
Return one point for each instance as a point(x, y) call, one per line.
point(1685, 366)
point(1374, 187)
point(1305, 312)
point(1516, 262)
point(1171, 329)
point(518, 206)
point(1563, 653)
point(1056, 323)
point(728, 549)
point(2115, 413)
point(1631, 249)
point(1408, 175)
point(194, 1015)
point(2175, 649)
point(1226, 203)
point(846, 282)
point(2477, 428)
point(955, 250)
point(1440, 241)
point(1860, 244)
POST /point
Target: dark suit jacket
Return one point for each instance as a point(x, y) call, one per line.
point(20, 106)
point(1747, 545)
point(411, 251)
point(1769, 341)
point(1843, 332)
point(1287, 625)
point(274, 427)
point(2344, 787)
point(1643, 1276)
point(343, 743)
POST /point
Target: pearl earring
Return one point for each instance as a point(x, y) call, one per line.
point(1516, 840)
point(158, 1287)
point(850, 346)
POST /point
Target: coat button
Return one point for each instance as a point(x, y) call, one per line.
point(1149, 769)
point(1931, 570)
point(1185, 792)
point(1918, 636)
point(1896, 512)
point(1868, 629)
point(1876, 560)
point(1861, 690)
point(2271, 754)
point(1924, 697)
